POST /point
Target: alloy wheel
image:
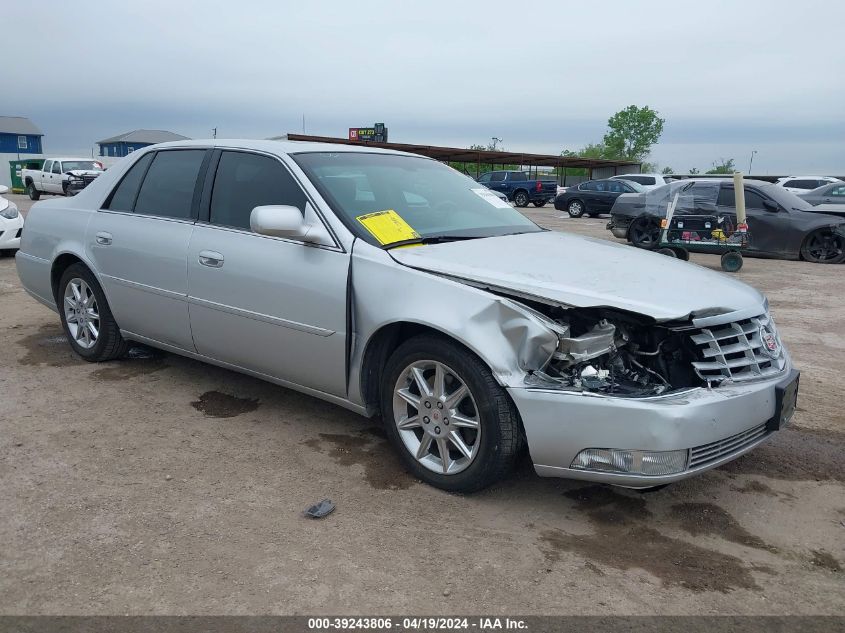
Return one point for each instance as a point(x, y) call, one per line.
point(644, 233)
point(81, 313)
point(575, 209)
point(436, 417)
point(825, 246)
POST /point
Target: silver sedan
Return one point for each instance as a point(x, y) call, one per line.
point(392, 285)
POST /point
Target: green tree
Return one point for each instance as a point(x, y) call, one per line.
point(667, 170)
point(693, 171)
point(632, 132)
point(724, 167)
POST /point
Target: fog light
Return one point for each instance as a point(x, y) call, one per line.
point(614, 460)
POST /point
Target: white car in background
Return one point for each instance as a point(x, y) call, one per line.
point(11, 224)
point(648, 181)
point(803, 184)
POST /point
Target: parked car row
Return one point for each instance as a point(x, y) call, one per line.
point(780, 224)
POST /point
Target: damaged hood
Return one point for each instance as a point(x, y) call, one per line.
point(585, 272)
point(84, 172)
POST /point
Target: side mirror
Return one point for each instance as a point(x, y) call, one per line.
point(770, 205)
point(3, 189)
point(288, 221)
point(278, 221)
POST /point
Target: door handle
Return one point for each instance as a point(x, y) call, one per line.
point(212, 259)
point(103, 238)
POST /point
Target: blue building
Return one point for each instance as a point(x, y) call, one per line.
point(19, 140)
point(124, 144)
point(19, 136)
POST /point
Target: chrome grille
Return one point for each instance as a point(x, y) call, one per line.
point(737, 351)
point(708, 453)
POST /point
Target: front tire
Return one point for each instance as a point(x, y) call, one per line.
point(454, 426)
point(86, 317)
point(823, 246)
point(575, 208)
point(33, 193)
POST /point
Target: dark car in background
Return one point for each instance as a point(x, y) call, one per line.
point(780, 224)
point(594, 197)
point(519, 188)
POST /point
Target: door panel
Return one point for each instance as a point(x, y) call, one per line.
point(139, 244)
point(270, 305)
point(143, 272)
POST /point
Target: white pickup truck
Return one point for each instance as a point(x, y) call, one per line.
point(61, 176)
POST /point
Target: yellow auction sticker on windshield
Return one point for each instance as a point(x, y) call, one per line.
point(388, 227)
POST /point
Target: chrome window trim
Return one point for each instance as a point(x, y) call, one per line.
point(308, 197)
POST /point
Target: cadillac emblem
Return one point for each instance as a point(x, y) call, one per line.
point(770, 342)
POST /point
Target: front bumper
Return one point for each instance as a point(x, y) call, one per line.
point(731, 418)
point(10, 233)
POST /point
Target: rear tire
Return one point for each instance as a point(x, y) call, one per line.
point(520, 198)
point(644, 232)
point(575, 208)
point(86, 317)
point(540, 203)
point(422, 418)
point(34, 194)
point(668, 252)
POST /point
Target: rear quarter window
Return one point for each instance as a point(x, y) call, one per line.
point(168, 188)
point(123, 196)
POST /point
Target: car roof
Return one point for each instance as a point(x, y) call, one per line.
point(64, 158)
point(278, 147)
point(637, 174)
point(785, 178)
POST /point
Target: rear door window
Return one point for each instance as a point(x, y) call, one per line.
point(123, 197)
point(168, 189)
point(245, 181)
point(518, 175)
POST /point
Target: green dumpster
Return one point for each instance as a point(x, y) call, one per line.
point(16, 166)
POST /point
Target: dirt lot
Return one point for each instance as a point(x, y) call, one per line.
point(161, 485)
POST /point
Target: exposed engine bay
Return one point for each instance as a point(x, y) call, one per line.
point(616, 353)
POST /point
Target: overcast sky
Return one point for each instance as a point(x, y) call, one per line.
point(728, 77)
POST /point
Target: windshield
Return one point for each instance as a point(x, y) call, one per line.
point(387, 198)
point(84, 165)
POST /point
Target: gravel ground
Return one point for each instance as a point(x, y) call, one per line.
point(157, 484)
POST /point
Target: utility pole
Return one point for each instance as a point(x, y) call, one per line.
point(303, 123)
point(751, 162)
point(495, 141)
point(214, 132)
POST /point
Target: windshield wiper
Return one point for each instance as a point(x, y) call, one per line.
point(431, 239)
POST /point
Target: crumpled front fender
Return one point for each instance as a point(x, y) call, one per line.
point(511, 339)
